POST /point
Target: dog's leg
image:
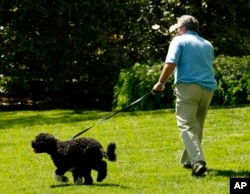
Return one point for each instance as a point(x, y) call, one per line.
point(78, 181)
point(59, 175)
point(60, 178)
point(77, 177)
point(102, 170)
point(87, 176)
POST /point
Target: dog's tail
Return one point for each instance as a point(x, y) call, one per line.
point(111, 155)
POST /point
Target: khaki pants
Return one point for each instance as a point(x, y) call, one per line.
point(191, 108)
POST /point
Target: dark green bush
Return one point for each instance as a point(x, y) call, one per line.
point(232, 74)
point(137, 81)
point(233, 77)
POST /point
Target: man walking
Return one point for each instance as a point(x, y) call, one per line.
point(190, 58)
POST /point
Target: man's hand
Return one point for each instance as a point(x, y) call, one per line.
point(158, 88)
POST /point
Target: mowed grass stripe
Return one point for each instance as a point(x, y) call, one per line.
point(148, 149)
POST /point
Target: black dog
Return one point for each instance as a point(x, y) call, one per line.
point(79, 156)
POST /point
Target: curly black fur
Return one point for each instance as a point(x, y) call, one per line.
point(79, 156)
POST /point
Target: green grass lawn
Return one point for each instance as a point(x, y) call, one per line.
point(148, 149)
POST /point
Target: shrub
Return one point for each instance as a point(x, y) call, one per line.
point(233, 77)
point(137, 81)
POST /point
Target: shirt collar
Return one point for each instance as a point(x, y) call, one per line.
point(191, 32)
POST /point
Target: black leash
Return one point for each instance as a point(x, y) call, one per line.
point(109, 116)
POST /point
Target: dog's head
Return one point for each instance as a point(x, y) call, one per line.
point(44, 143)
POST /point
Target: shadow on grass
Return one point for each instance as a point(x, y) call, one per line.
point(230, 107)
point(228, 173)
point(10, 119)
point(94, 185)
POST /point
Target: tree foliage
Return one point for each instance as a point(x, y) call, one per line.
point(136, 82)
point(71, 49)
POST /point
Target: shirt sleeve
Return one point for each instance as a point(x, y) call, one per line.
point(174, 51)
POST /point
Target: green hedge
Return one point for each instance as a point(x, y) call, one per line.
point(137, 81)
point(232, 74)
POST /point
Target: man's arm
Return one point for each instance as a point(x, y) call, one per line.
point(165, 74)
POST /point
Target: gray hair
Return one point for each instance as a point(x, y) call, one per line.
point(188, 21)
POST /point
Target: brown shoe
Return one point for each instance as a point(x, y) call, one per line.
point(199, 168)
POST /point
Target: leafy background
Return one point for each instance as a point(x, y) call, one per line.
point(61, 52)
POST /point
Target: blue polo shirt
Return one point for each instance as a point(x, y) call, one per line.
point(193, 56)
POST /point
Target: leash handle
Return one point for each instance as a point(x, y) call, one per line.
point(111, 115)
